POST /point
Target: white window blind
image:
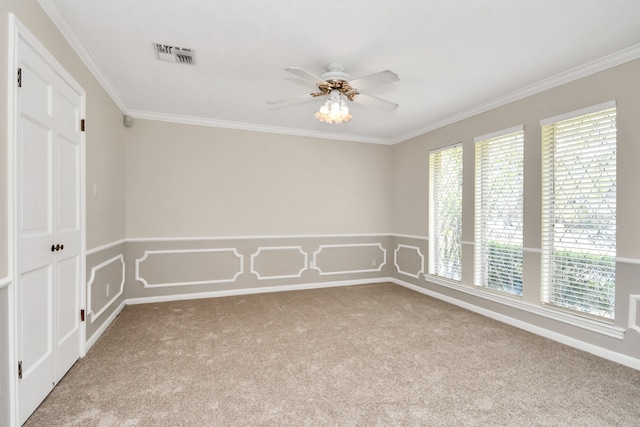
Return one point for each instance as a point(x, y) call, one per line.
point(579, 213)
point(445, 212)
point(498, 213)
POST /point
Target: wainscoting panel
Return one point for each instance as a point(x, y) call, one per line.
point(409, 260)
point(349, 258)
point(278, 262)
point(187, 268)
point(160, 268)
point(410, 256)
point(166, 268)
point(105, 286)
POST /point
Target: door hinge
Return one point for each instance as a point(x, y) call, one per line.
point(20, 369)
point(82, 315)
point(82, 125)
point(19, 77)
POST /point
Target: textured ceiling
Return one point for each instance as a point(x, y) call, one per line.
point(454, 58)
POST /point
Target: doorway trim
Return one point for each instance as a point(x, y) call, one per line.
point(18, 31)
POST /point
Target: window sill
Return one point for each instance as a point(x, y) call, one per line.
point(514, 301)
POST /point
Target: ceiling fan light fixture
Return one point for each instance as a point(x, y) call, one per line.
point(334, 110)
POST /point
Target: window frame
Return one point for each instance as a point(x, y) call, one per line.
point(434, 267)
point(484, 168)
point(549, 211)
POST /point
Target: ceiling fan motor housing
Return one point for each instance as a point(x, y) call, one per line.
point(335, 71)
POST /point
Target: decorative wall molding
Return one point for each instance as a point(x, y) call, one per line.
point(631, 261)
point(226, 124)
point(409, 236)
point(264, 249)
point(5, 282)
point(262, 237)
point(418, 274)
point(634, 310)
point(105, 247)
point(314, 262)
point(92, 278)
point(146, 255)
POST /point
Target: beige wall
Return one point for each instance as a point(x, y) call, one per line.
point(410, 158)
point(190, 181)
point(410, 191)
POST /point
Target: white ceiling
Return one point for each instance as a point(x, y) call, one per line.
point(454, 58)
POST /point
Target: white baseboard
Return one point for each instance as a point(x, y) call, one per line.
point(98, 333)
point(251, 291)
point(623, 359)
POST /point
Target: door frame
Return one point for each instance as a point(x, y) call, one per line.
point(18, 31)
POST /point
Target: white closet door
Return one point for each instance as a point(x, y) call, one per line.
point(48, 210)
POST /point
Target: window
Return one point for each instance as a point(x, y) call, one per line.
point(579, 211)
point(498, 221)
point(445, 212)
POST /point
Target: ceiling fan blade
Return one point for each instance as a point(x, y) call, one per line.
point(376, 79)
point(294, 100)
point(304, 74)
point(372, 101)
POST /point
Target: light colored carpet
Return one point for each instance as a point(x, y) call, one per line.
point(372, 355)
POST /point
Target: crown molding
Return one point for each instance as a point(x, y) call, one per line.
point(609, 61)
point(62, 23)
point(202, 121)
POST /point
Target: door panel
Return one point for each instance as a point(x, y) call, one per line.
point(69, 113)
point(35, 292)
point(37, 90)
point(68, 182)
point(34, 169)
point(48, 228)
point(67, 301)
point(67, 318)
point(37, 312)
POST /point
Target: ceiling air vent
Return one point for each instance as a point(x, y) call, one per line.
point(170, 53)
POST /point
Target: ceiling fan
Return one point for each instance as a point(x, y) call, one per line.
point(335, 84)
